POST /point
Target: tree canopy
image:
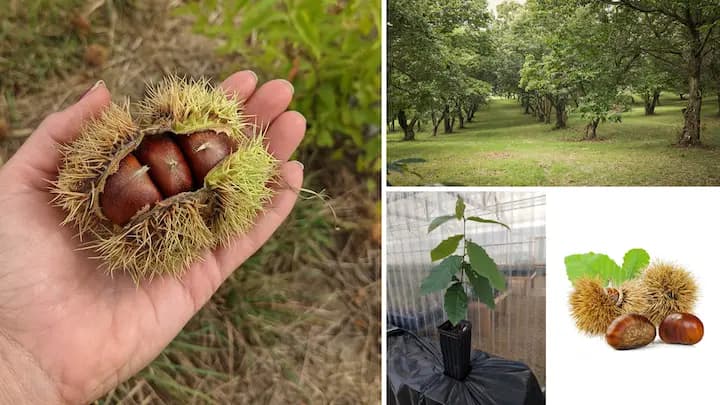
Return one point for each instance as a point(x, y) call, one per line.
point(593, 57)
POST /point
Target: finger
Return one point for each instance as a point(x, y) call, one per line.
point(269, 101)
point(285, 134)
point(240, 84)
point(40, 151)
point(230, 257)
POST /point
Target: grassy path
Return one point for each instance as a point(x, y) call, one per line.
point(503, 147)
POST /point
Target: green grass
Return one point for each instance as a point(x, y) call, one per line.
point(504, 147)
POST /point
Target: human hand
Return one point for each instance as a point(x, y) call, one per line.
point(62, 319)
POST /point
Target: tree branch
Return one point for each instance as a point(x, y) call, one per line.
point(644, 8)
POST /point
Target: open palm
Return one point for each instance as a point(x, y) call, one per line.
point(86, 331)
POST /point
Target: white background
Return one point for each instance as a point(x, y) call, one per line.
point(673, 224)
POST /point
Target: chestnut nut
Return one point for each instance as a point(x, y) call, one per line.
point(630, 331)
point(681, 328)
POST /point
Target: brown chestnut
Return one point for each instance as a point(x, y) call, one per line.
point(681, 328)
point(127, 191)
point(204, 150)
point(630, 331)
point(168, 168)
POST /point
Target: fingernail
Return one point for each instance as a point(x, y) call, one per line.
point(253, 73)
point(292, 88)
point(302, 166)
point(99, 83)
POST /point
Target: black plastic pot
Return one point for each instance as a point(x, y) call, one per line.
point(455, 343)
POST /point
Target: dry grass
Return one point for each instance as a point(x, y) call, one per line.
point(300, 321)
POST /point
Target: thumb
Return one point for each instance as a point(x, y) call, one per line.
point(39, 156)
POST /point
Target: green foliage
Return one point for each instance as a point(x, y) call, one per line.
point(456, 303)
point(445, 248)
point(481, 270)
point(485, 266)
point(436, 57)
point(439, 221)
point(481, 287)
point(633, 262)
point(441, 275)
point(604, 268)
point(329, 50)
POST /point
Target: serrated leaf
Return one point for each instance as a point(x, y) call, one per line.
point(456, 302)
point(481, 287)
point(445, 248)
point(485, 266)
point(633, 262)
point(439, 221)
point(459, 208)
point(591, 265)
point(487, 221)
point(441, 275)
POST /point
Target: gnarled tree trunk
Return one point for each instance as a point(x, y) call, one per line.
point(690, 135)
point(560, 114)
point(408, 128)
point(651, 101)
point(591, 129)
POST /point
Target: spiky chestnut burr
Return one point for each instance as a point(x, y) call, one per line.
point(669, 288)
point(150, 196)
point(594, 307)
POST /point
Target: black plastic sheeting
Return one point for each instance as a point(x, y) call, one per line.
point(415, 377)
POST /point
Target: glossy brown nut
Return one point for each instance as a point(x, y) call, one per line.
point(630, 331)
point(168, 168)
point(681, 328)
point(204, 150)
point(127, 191)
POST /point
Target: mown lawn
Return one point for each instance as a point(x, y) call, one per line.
point(503, 147)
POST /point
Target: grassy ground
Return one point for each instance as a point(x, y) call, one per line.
point(504, 147)
point(299, 323)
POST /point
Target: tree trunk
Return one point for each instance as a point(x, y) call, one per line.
point(461, 118)
point(547, 104)
point(408, 129)
point(560, 114)
point(419, 129)
point(436, 121)
point(447, 120)
point(591, 129)
point(718, 96)
point(392, 125)
point(651, 102)
point(690, 135)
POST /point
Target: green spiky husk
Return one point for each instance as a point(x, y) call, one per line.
point(191, 106)
point(669, 288)
point(85, 163)
point(593, 309)
point(167, 237)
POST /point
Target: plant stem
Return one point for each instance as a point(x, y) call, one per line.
point(462, 268)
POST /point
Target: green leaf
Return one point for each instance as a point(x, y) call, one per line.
point(592, 265)
point(485, 266)
point(634, 261)
point(481, 287)
point(456, 302)
point(439, 221)
point(445, 248)
point(459, 208)
point(441, 275)
point(488, 221)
